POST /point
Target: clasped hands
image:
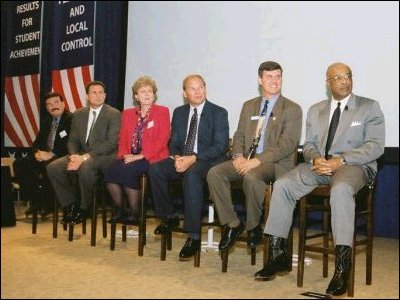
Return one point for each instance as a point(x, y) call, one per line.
point(43, 155)
point(75, 161)
point(182, 163)
point(323, 166)
point(243, 165)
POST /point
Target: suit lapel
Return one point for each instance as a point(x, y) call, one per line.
point(255, 111)
point(345, 119)
point(323, 123)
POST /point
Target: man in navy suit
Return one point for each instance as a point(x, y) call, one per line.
point(49, 144)
point(199, 140)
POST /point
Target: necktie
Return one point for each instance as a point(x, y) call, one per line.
point(260, 126)
point(91, 128)
point(332, 129)
point(191, 137)
point(264, 110)
point(52, 134)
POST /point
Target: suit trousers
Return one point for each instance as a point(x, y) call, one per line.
point(219, 178)
point(345, 183)
point(70, 190)
point(193, 191)
point(31, 173)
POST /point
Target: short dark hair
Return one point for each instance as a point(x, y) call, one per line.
point(268, 66)
point(53, 94)
point(95, 83)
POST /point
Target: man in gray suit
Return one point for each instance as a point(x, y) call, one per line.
point(264, 148)
point(92, 144)
point(345, 159)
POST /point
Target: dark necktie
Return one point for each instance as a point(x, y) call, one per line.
point(91, 128)
point(264, 110)
point(332, 129)
point(191, 137)
point(52, 134)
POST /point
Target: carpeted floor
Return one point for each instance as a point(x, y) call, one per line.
point(38, 266)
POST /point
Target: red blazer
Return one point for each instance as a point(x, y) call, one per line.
point(155, 137)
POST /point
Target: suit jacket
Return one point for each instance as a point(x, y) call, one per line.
point(359, 137)
point(62, 135)
point(104, 136)
point(155, 137)
point(283, 132)
point(213, 132)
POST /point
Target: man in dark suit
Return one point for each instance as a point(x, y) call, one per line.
point(264, 148)
point(50, 143)
point(345, 135)
point(92, 144)
point(199, 139)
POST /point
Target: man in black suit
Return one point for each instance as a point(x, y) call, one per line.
point(50, 143)
point(199, 139)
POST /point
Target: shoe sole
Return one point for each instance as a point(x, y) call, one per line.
point(280, 273)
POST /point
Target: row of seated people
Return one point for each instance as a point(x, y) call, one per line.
point(194, 147)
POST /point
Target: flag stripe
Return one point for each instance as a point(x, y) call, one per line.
point(57, 86)
point(71, 84)
point(12, 138)
point(27, 106)
point(13, 95)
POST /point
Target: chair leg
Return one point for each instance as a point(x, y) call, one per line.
point(370, 235)
point(253, 255)
point(104, 215)
point(55, 218)
point(112, 239)
point(94, 217)
point(34, 219)
point(123, 230)
point(224, 258)
point(163, 246)
point(302, 241)
point(325, 242)
point(70, 232)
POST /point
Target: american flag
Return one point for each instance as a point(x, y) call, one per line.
point(21, 111)
point(71, 84)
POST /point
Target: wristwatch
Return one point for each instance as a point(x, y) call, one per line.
point(85, 157)
point(343, 160)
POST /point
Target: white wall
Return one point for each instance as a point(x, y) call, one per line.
point(225, 42)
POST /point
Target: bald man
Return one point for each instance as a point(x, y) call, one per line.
point(345, 135)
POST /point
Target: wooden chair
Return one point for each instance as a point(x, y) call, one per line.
point(364, 210)
point(142, 219)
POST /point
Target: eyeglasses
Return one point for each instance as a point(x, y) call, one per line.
point(340, 77)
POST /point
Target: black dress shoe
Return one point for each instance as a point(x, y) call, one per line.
point(78, 217)
point(31, 208)
point(167, 225)
point(230, 236)
point(44, 213)
point(130, 220)
point(189, 249)
point(118, 217)
point(254, 236)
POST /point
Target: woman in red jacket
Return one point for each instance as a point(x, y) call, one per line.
point(143, 140)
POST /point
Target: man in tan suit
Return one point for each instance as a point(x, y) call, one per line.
point(264, 148)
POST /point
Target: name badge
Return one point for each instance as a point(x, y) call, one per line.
point(254, 118)
point(150, 124)
point(63, 134)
